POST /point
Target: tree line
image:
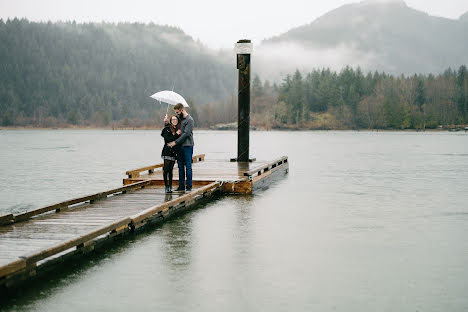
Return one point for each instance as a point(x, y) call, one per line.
point(54, 74)
point(325, 99)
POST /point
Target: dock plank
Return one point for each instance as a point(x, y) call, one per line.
point(43, 232)
point(51, 231)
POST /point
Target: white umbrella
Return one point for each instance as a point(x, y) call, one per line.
point(169, 97)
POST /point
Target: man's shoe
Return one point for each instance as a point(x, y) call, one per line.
point(179, 190)
point(188, 189)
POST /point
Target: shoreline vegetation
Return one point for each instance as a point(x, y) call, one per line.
point(231, 127)
point(101, 75)
point(320, 100)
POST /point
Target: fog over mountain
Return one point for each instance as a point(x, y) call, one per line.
point(103, 72)
point(376, 35)
point(464, 17)
point(51, 73)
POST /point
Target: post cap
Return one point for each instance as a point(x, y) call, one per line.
point(243, 46)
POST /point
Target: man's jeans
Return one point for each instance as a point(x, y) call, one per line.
point(184, 162)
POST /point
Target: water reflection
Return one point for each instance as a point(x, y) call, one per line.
point(363, 222)
point(177, 243)
point(243, 219)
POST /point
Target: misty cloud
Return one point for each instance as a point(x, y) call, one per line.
point(276, 60)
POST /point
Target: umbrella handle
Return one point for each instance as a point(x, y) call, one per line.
point(166, 109)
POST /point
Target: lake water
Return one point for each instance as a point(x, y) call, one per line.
point(364, 221)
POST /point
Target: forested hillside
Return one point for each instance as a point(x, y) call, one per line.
point(66, 73)
point(351, 99)
point(60, 74)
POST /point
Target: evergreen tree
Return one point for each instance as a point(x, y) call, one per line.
point(76, 72)
point(462, 101)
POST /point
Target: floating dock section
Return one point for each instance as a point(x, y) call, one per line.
point(36, 241)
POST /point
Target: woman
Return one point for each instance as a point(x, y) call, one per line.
point(170, 133)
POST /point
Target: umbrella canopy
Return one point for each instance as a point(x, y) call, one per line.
point(170, 97)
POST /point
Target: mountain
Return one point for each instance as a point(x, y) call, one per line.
point(376, 35)
point(74, 73)
point(464, 17)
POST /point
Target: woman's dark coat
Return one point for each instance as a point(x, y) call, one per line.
point(166, 133)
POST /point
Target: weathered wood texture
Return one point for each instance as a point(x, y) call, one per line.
point(59, 206)
point(36, 256)
point(205, 171)
point(159, 208)
point(26, 243)
point(135, 173)
point(235, 177)
point(5, 219)
point(76, 225)
point(265, 167)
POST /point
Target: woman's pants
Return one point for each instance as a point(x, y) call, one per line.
point(167, 171)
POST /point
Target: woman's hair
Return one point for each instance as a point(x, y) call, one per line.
point(174, 128)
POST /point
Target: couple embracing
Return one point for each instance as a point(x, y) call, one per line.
point(178, 145)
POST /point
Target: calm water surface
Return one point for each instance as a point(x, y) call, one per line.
point(364, 221)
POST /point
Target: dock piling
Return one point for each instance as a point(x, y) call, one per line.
point(243, 50)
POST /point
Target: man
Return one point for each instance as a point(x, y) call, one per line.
point(185, 141)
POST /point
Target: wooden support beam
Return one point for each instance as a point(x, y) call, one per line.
point(266, 167)
point(7, 219)
point(243, 99)
point(238, 187)
point(265, 174)
point(135, 173)
point(160, 182)
point(11, 267)
point(38, 256)
point(159, 208)
point(198, 158)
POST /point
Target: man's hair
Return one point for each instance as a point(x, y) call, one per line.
point(179, 106)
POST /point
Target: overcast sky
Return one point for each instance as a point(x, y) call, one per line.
point(216, 23)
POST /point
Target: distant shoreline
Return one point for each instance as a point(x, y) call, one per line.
point(283, 129)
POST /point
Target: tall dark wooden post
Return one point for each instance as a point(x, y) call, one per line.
point(243, 50)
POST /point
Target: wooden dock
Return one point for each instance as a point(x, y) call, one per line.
point(34, 241)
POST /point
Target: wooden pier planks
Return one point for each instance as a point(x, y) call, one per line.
point(135, 173)
point(36, 256)
point(204, 172)
point(159, 208)
point(46, 233)
point(49, 234)
point(235, 177)
point(59, 206)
